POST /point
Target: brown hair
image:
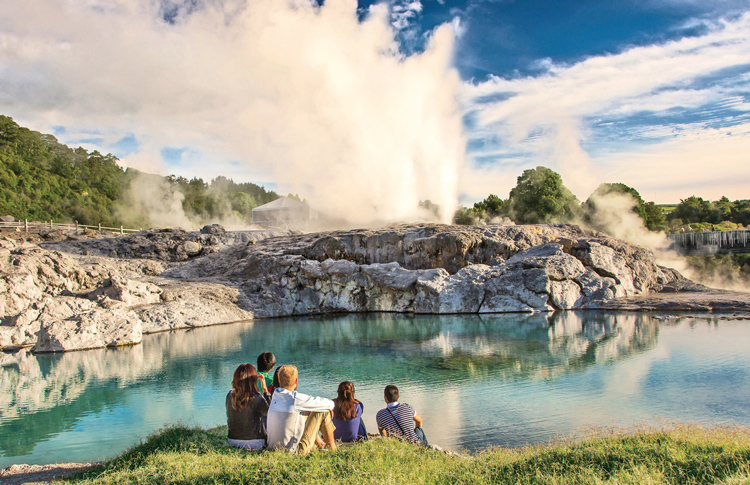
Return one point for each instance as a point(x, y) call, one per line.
point(345, 406)
point(287, 374)
point(244, 386)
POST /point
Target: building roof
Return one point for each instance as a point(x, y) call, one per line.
point(280, 203)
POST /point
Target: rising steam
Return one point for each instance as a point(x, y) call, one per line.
point(316, 98)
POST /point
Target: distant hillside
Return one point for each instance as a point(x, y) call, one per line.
point(42, 179)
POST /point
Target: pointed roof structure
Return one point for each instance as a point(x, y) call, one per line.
point(282, 212)
point(281, 203)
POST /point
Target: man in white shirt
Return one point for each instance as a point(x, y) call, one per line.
point(294, 419)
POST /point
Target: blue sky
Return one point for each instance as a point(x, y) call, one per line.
point(453, 99)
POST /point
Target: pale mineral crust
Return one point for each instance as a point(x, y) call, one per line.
point(80, 293)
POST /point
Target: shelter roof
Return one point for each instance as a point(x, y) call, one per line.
point(280, 203)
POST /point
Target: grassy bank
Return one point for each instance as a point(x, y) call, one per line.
point(680, 455)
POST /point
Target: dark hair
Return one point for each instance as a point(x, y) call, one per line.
point(345, 406)
point(244, 386)
point(391, 393)
point(276, 384)
point(266, 361)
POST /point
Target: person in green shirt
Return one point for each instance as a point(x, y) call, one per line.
point(266, 363)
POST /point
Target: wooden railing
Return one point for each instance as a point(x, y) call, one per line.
point(37, 226)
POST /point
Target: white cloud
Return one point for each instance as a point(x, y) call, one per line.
point(562, 103)
point(304, 95)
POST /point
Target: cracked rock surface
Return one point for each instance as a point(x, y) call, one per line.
point(82, 293)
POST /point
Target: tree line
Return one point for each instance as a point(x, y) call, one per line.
point(42, 179)
point(541, 197)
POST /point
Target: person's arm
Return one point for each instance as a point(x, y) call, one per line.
point(262, 385)
point(417, 420)
point(315, 404)
point(261, 405)
point(381, 429)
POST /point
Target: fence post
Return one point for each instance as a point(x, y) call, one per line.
point(50, 223)
point(26, 225)
point(76, 227)
point(100, 227)
point(121, 230)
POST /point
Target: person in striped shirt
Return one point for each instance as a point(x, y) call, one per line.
point(399, 420)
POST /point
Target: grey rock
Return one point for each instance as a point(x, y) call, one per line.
point(510, 283)
point(536, 280)
point(213, 229)
point(540, 251)
point(90, 330)
point(391, 275)
point(212, 277)
point(565, 295)
point(128, 292)
point(499, 303)
point(459, 293)
point(192, 248)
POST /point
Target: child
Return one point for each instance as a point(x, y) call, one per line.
point(266, 363)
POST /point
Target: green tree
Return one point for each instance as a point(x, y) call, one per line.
point(465, 217)
point(655, 218)
point(491, 207)
point(691, 210)
point(540, 196)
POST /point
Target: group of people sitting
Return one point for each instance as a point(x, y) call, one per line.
point(269, 412)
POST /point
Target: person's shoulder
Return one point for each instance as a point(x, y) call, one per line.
point(405, 407)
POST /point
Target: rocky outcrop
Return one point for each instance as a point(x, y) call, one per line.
point(77, 294)
point(441, 269)
point(90, 330)
point(170, 245)
point(58, 302)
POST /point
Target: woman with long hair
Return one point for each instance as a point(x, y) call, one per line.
point(246, 405)
point(347, 415)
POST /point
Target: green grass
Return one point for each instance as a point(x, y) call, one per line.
point(667, 208)
point(672, 455)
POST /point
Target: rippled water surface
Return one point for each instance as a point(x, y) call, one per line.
point(476, 380)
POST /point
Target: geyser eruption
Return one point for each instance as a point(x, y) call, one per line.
point(315, 98)
point(362, 131)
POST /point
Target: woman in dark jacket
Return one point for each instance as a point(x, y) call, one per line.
point(246, 405)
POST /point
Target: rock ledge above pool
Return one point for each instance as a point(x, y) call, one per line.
point(78, 294)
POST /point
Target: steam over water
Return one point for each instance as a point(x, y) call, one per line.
point(485, 380)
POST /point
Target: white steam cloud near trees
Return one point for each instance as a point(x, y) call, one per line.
point(311, 97)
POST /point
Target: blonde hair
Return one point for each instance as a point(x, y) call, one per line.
point(287, 375)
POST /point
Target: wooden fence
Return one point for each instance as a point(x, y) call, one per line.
point(710, 242)
point(37, 226)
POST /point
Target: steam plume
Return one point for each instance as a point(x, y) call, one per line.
point(312, 97)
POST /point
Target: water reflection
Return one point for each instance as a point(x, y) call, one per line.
point(450, 367)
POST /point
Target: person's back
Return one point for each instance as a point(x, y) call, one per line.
point(399, 420)
point(294, 419)
point(266, 362)
point(245, 407)
point(245, 424)
point(347, 415)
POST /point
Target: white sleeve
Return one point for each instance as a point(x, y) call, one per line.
point(303, 402)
